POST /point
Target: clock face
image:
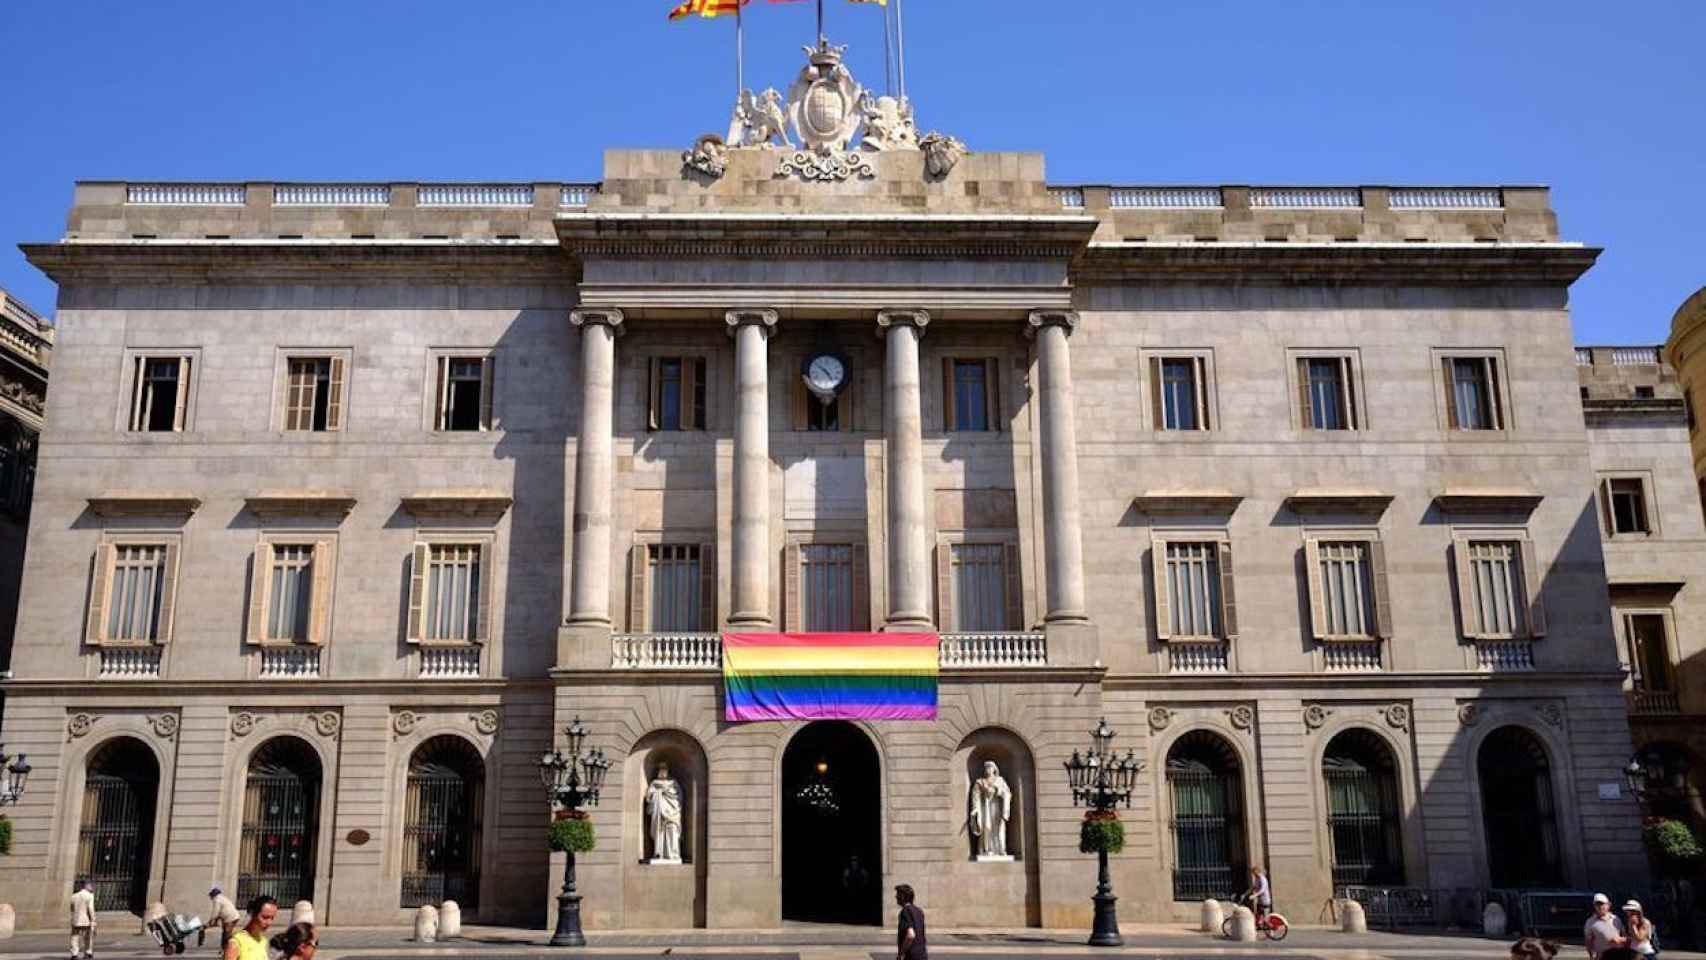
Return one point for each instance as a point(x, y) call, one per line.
point(826, 373)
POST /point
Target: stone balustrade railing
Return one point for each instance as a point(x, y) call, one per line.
point(331, 195)
point(450, 663)
point(1584, 357)
point(476, 195)
point(666, 651)
point(1634, 356)
point(1306, 198)
point(1446, 198)
point(993, 650)
point(1187, 657)
point(1654, 703)
point(187, 194)
point(290, 663)
point(1070, 198)
point(351, 194)
point(130, 663)
point(1165, 198)
point(1505, 656)
point(1352, 656)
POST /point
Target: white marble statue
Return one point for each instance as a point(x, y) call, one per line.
point(991, 810)
point(663, 810)
point(759, 120)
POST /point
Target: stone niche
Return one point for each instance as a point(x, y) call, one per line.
point(994, 894)
point(658, 895)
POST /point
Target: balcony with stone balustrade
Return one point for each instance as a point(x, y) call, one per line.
point(685, 652)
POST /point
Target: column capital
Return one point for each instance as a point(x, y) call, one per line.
point(889, 319)
point(1065, 319)
point(599, 316)
point(743, 316)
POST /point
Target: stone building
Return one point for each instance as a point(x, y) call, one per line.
point(26, 350)
point(357, 494)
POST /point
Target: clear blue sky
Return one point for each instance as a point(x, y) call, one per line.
point(1605, 102)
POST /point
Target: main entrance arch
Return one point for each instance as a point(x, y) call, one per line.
point(832, 851)
point(281, 822)
point(443, 811)
point(115, 838)
point(1518, 811)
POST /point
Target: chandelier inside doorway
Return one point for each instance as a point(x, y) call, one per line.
point(819, 794)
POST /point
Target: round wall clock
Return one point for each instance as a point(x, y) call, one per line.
point(825, 375)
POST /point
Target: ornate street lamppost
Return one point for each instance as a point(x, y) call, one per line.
point(17, 771)
point(571, 781)
point(1101, 780)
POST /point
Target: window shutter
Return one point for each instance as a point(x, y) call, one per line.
point(1353, 417)
point(1466, 621)
point(1228, 597)
point(861, 587)
point(1451, 413)
point(1532, 588)
point(320, 599)
point(260, 582)
point(1490, 366)
point(136, 393)
point(1201, 387)
point(441, 403)
point(417, 592)
point(488, 589)
point(1382, 589)
point(708, 587)
point(96, 628)
point(950, 409)
point(181, 401)
point(639, 574)
point(1157, 408)
point(1163, 599)
point(689, 386)
point(488, 372)
point(1605, 511)
point(1304, 410)
point(791, 618)
point(844, 406)
point(1317, 595)
point(992, 393)
point(701, 401)
point(168, 594)
point(801, 412)
point(654, 393)
point(335, 396)
point(945, 587)
point(1015, 587)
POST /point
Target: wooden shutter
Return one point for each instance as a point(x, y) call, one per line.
point(1228, 596)
point(945, 586)
point(417, 592)
point(1495, 396)
point(441, 403)
point(1466, 620)
point(1199, 367)
point(1304, 409)
point(1317, 590)
point(654, 393)
point(180, 406)
point(1451, 412)
point(1015, 586)
point(1347, 385)
point(136, 393)
point(708, 587)
point(488, 590)
point(260, 583)
point(1382, 589)
point(639, 574)
point(950, 408)
point(689, 384)
point(1163, 599)
point(1157, 408)
point(801, 398)
point(320, 599)
point(1532, 588)
point(992, 393)
point(335, 395)
point(168, 593)
point(791, 618)
point(95, 630)
point(861, 587)
point(1606, 513)
point(488, 372)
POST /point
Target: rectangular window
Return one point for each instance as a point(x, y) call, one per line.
point(970, 395)
point(1179, 393)
point(1473, 397)
point(678, 393)
point(161, 394)
point(1624, 502)
point(676, 585)
point(1347, 595)
point(980, 587)
point(137, 592)
point(314, 392)
point(1649, 651)
point(291, 592)
point(1193, 590)
point(464, 394)
point(826, 587)
point(452, 602)
point(1496, 599)
point(1327, 393)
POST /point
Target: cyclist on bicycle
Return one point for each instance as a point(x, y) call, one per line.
point(1260, 896)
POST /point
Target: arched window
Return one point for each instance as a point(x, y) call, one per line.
point(1517, 811)
point(1206, 784)
point(443, 813)
point(1361, 778)
point(281, 822)
point(115, 839)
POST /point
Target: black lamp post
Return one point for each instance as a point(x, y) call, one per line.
point(17, 771)
point(571, 781)
point(1101, 779)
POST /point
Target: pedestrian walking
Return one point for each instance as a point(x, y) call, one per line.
point(224, 913)
point(1643, 936)
point(83, 921)
point(250, 943)
point(1603, 931)
point(297, 942)
point(910, 936)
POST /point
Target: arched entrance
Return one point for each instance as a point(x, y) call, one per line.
point(443, 810)
point(1518, 813)
point(281, 822)
point(832, 852)
point(115, 838)
point(1361, 778)
point(1205, 783)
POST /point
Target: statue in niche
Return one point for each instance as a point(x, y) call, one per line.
point(663, 811)
point(991, 810)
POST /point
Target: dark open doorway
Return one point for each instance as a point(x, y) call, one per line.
point(832, 852)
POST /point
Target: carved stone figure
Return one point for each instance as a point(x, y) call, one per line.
point(888, 123)
point(941, 154)
point(663, 810)
point(709, 156)
point(991, 810)
point(758, 120)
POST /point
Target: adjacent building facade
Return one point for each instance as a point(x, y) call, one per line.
point(357, 494)
point(26, 351)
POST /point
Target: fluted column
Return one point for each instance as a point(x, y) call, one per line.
point(750, 566)
point(903, 426)
point(589, 592)
point(1063, 536)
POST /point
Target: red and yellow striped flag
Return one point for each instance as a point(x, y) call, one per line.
point(706, 8)
point(880, 3)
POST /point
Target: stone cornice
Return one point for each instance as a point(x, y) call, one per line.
point(466, 504)
point(281, 504)
point(1329, 502)
point(1485, 501)
point(1409, 264)
point(143, 505)
point(1188, 503)
point(347, 261)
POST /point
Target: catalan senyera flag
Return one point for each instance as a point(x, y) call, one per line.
point(706, 8)
point(830, 676)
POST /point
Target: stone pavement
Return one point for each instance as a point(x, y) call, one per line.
point(809, 942)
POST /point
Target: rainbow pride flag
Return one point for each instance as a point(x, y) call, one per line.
point(830, 676)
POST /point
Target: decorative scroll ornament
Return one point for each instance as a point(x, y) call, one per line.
point(1398, 717)
point(486, 721)
point(404, 722)
point(1315, 716)
point(1551, 713)
point(243, 724)
point(79, 724)
point(825, 167)
point(164, 724)
point(327, 723)
point(1468, 714)
point(759, 120)
point(709, 156)
point(1159, 718)
point(1242, 716)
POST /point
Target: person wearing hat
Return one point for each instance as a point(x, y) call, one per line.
point(1603, 931)
point(1639, 930)
point(224, 913)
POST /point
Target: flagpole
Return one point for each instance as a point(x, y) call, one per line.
point(888, 64)
point(740, 54)
point(900, 42)
point(820, 37)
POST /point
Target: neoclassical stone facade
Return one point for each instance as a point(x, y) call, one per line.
point(26, 352)
point(1285, 483)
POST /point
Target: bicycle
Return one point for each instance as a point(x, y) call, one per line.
point(1271, 925)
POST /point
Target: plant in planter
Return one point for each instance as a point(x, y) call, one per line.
point(1671, 842)
point(572, 833)
point(1101, 832)
point(5, 837)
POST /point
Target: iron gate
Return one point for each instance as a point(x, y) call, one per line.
point(441, 838)
point(1362, 823)
point(1207, 833)
point(115, 840)
point(279, 828)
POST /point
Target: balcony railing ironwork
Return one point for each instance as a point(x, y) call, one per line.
point(1654, 703)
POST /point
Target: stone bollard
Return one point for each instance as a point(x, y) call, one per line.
point(1493, 920)
point(1212, 917)
point(303, 912)
point(449, 920)
point(8, 921)
point(1243, 925)
point(1351, 917)
point(426, 924)
point(154, 912)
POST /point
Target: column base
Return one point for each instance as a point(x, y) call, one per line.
point(752, 623)
point(584, 645)
point(1072, 642)
point(909, 623)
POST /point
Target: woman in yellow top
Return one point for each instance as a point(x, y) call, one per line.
point(250, 943)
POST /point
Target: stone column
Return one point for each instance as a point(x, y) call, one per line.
point(589, 593)
point(750, 565)
point(908, 544)
point(1063, 536)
